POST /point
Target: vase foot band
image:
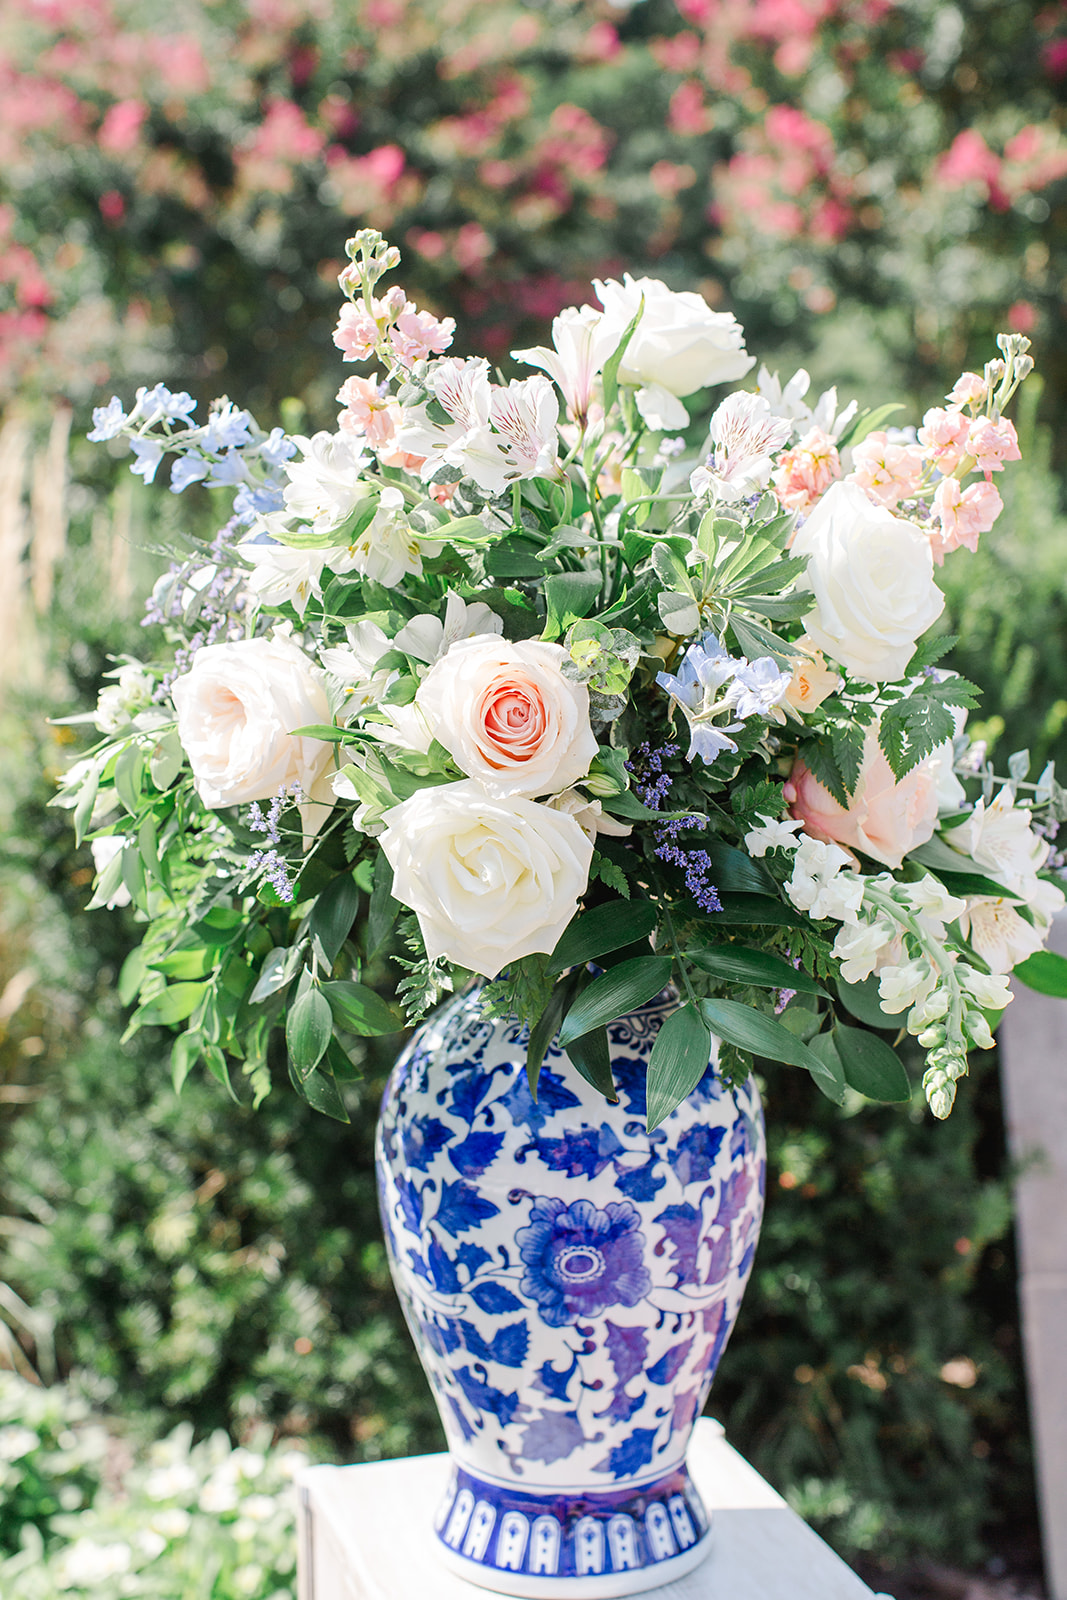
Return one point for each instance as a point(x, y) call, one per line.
point(565, 1546)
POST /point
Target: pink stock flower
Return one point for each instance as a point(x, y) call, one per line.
point(356, 332)
point(969, 389)
point(962, 515)
point(992, 443)
point(884, 818)
point(368, 411)
point(804, 473)
point(418, 334)
point(888, 473)
point(943, 437)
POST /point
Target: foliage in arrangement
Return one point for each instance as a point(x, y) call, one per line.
point(190, 1518)
point(179, 177)
point(546, 689)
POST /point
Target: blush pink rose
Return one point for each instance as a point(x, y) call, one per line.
point(885, 818)
point(508, 716)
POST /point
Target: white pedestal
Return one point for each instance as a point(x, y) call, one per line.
point(366, 1533)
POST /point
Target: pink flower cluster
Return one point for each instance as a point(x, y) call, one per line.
point(804, 473)
point(413, 334)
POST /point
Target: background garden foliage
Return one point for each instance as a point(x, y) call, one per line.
point(874, 188)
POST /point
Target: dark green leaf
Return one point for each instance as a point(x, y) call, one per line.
point(910, 728)
point(830, 1078)
point(322, 1094)
point(758, 967)
point(308, 1028)
point(862, 1001)
point(779, 608)
point(606, 927)
point(332, 917)
point(623, 989)
point(183, 1057)
point(384, 910)
point(360, 1010)
point(1046, 972)
point(818, 756)
point(591, 1057)
point(679, 1060)
point(215, 1062)
point(734, 871)
point(514, 558)
point(279, 967)
point(870, 1066)
point(756, 1031)
point(972, 883)
point(547, 1025)
point(747, 910)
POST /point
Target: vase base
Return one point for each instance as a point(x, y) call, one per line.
point(561, 1545)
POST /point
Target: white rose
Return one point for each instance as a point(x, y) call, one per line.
point(508, 715)
point(490, 880)
point(872, 575)
point(680, 344)
point(237, 706)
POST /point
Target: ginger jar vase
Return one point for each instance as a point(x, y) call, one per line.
point(570, 1281)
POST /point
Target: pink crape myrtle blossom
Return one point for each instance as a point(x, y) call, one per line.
point(887, 472)
point(962, 514)
point(742, 439)
point(804, 473)
point(992, 443)
point(943, 437)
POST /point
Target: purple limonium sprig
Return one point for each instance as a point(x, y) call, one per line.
point(652, 785)
point(269, 862)
point(217, 587)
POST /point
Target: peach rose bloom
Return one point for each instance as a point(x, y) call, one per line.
point(812, 679)
point(885, 818)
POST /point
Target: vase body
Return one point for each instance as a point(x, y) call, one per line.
point(570, 1281)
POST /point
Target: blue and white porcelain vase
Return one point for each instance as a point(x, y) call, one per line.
point(570, 1281)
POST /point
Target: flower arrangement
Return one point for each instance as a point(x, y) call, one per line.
point(582, 708)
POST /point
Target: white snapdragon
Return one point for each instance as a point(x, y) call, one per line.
point(863, 947)
point(906, 985)
point(823, 883)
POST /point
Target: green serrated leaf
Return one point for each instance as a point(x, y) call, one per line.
point(606, 927)
point(870, 1066)
point(626, 987)
point(818, 756)
point(679, 1059)
point(911, 728)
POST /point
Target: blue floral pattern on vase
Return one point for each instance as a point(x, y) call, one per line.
point(580, 1260)
point(570, 1281)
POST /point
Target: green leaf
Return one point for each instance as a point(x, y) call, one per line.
point(176, 1003)
point(215, 1062)
point(862, 1001)
point(971, 883)
point(870, 1066)
point(514, 558)
point(83, 811)
point(327, 733)
point(196, 962)
point(165, 760)
point(545, 1028)
point(322, 1094)
point(332, 917)
point(280, 967)
point(129, 772)
point(678, 613)
point(779, 608)
point(623, 989)
point(590, 1055)
point(360, 1009)
point(610, 375)
point(830, 1079)
point(1046, 972)
point(867, 422)
point(308, 1028)
point(747, 910)
point(910, 728)
point(734, 871)
point(736, 965)
point(132, 975)
point(464, 531)
point(607, 927)
point(679, 1059)
point(384, 910)
point(818, 756)
point(757, 1032)
point(184, 1056)
point(756, 640)
point(569, 596)
point(847, 741)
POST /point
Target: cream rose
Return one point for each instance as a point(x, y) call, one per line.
point(490, 880)
point(237, 706)
point(680, 344)
point(885, 818)
point(872, 575)
point(508, 716)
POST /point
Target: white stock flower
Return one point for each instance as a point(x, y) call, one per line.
point(990, 990)
point(771, 834)
point(679, 345)
point(281, 574)
point(929, 896)
point(427, 638)
point(821, 885)
point(325, 487)
point(508, 716)
point(872, 575)
point(742, 440)
point(237, 706)
point(489, 880)
point(582, 345)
